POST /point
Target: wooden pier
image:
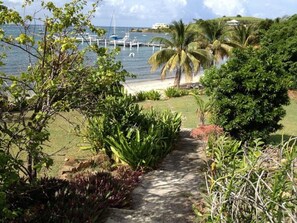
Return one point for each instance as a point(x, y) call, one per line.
point(115, 43)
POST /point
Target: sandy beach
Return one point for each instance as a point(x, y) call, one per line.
point(135, 86)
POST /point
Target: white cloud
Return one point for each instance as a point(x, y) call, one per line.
point(115, 2)
point(139, 9)
point(15, 1)
point(176, 3)
point(226, 7)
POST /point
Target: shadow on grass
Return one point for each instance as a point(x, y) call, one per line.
point(276, 139)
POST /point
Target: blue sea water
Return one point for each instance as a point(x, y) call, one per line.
point(17, 61)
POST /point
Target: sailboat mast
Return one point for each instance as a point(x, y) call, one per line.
point(114, 25)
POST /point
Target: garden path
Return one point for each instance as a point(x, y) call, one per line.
point(166, 194)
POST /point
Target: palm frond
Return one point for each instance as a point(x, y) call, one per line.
point(204, 56)
point(183, 57)
point(187, 68)
point(162, 40)
point(160, 57)
point(173, 62)
point(195, 63)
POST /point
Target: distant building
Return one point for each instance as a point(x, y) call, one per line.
point(232, 22)
point(160, 26)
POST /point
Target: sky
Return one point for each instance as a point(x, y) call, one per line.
point(144, 13)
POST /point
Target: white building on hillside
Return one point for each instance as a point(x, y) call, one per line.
point(232, 22)
point(160, 26)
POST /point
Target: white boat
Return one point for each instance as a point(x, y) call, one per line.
point(126, 41)
point(114, 36)
point(115, 40)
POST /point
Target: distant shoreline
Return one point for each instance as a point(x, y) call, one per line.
point(149, 30)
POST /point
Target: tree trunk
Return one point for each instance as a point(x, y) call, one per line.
point(30, 166)
point(177, 77)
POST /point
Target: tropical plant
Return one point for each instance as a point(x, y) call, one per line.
point(248, 94)
point(173, 92)
point(242, 36)
point(180, 53)
point(249, 183)
point(84, 198)
point(145, 145)
point(116, 112)
point(141, 96)
point(212, 38)
point(153, 95)
point(203, 108)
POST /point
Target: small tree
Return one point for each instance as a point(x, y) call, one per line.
point(203, 109)
point(248, 93)
point(59, 80)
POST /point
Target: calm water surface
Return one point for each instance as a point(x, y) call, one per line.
point(17, 61)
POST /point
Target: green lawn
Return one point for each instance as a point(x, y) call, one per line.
point(289, 122)
point(187, 106)
point(64, 142)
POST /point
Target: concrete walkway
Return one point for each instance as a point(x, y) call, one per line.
point(166, 195)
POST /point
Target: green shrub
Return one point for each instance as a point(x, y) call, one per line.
point(153, 95)
point(141, 96)
point(250, 183)
point(248, 93)
point(120, 112)
point(147, 144)
point(173, 92)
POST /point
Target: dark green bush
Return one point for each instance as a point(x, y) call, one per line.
point(280, 40)
point(248, 93)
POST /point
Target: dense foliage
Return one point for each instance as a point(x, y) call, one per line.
point(281, 39)
point(145, 144)
point(250, 183)
point(248, 93)
point(129, 134)
point(82, 199)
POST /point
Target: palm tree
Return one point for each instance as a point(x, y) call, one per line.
point(212, 36)
point(180, 53)
point(242, 36)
